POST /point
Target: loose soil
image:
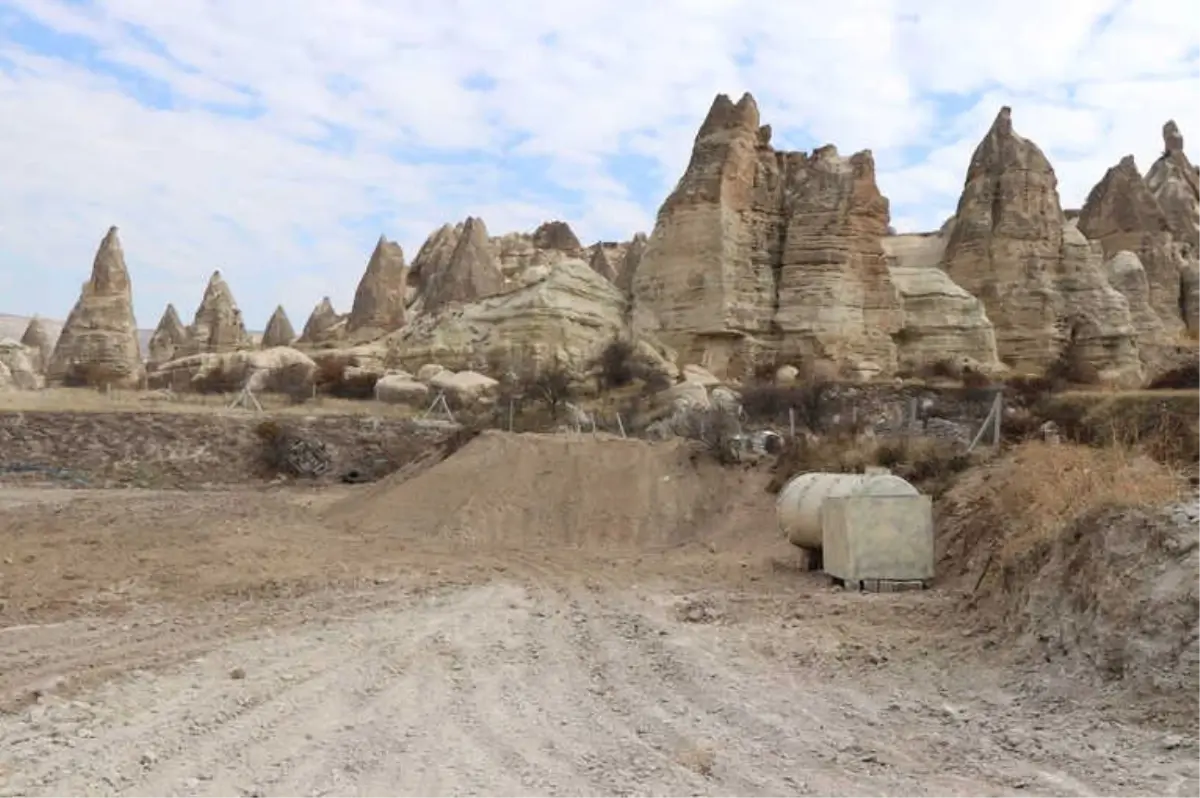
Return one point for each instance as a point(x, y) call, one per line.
point(533, 615)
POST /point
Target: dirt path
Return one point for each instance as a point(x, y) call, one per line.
point(543, 685)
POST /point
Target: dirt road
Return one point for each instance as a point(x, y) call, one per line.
point(355, 641)
point(531, 686)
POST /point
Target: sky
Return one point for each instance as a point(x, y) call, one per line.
point(275, 140)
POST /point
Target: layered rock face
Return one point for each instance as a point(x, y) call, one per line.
point(18, 369)
point(1175, 183)
point(218, 326)
point(279, 330)
point(632, 259)
point(470, 273)
point(942, 322)
point(98, 343)
point(602, 264)
point(37, 340)
point(775, 247)
point(1123, 215)
point(1041, 281)
point(169, 339)
point(568, 316)
point(434, 255)
point(379, 300)
point(550, 244)
point(324, 326)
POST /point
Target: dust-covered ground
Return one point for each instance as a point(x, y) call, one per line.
point(365, 641)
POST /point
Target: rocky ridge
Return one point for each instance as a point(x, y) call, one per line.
point(169, 339)
point(763, 256)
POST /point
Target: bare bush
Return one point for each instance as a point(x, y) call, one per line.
point(716, 429)
point(337, 377)
point(812, 403)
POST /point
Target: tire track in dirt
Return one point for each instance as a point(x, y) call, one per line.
point(539, 684)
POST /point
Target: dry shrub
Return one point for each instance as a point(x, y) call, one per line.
point(715, 429)
point(222, 378)
point(337, 377)
point(1071, 368)
point(813, 402)
point(1006, 511)
point(1164, 426)
point(294, 381)
point(930, 464)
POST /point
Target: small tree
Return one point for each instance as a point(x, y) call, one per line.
point(551, 385)
point(616, 365)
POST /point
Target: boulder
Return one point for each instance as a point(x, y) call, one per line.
point(428, 371)
point(1038, 277)
point(37, 340)
point(942, 322)
point(397, 389)
point(168, 341)
point(780, 247)
point(218, 326)
point(785, 375)
point(379, 300)
point(466, 387)
point(568, 317)
point(99, 340)
point(279, 331)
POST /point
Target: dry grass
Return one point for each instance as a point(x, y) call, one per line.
point(87, 400)
point(1163, 424)
point(1021, 502)
point(929, 463)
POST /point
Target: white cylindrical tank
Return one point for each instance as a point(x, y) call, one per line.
point(798, 507)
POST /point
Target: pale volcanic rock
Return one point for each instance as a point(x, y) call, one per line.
point(218, 326)
point(557, 235)
point(379, 300)
point(324, 326)
point(1039, 278)
point(569, 316)
point(1126, 273)
point(434, 254)
point(1123, 215)
point(1175, 183)
point(914, 250)
point(942, 322)
point(602, 265)
point(774, 246)
point(1189, 286)
point(18, 369)
point(471, 272)
point(168, 340)
point(37, 340)
point(634, 252)
point(279, 330)
point(99, 340)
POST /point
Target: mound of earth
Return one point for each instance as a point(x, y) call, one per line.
point(1086, 558)
point(531, 490)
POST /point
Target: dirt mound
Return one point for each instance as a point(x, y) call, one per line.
point(532, 490)
point(1085, 557)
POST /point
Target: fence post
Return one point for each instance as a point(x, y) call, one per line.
point(620, 425)
point(997, 415)
point(792, 421)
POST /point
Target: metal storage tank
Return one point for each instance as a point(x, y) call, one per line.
point(798, 507)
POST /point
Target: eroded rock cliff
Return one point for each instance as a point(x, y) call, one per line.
point(325, 327)
point(1041, 281)
point(98, 344)
point(168, 340)
point(470, 273)
point(760, 249)
point(218, 326)
point(379, 301)
point(279, 330)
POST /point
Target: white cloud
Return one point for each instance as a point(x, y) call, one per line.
point(231, 174)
